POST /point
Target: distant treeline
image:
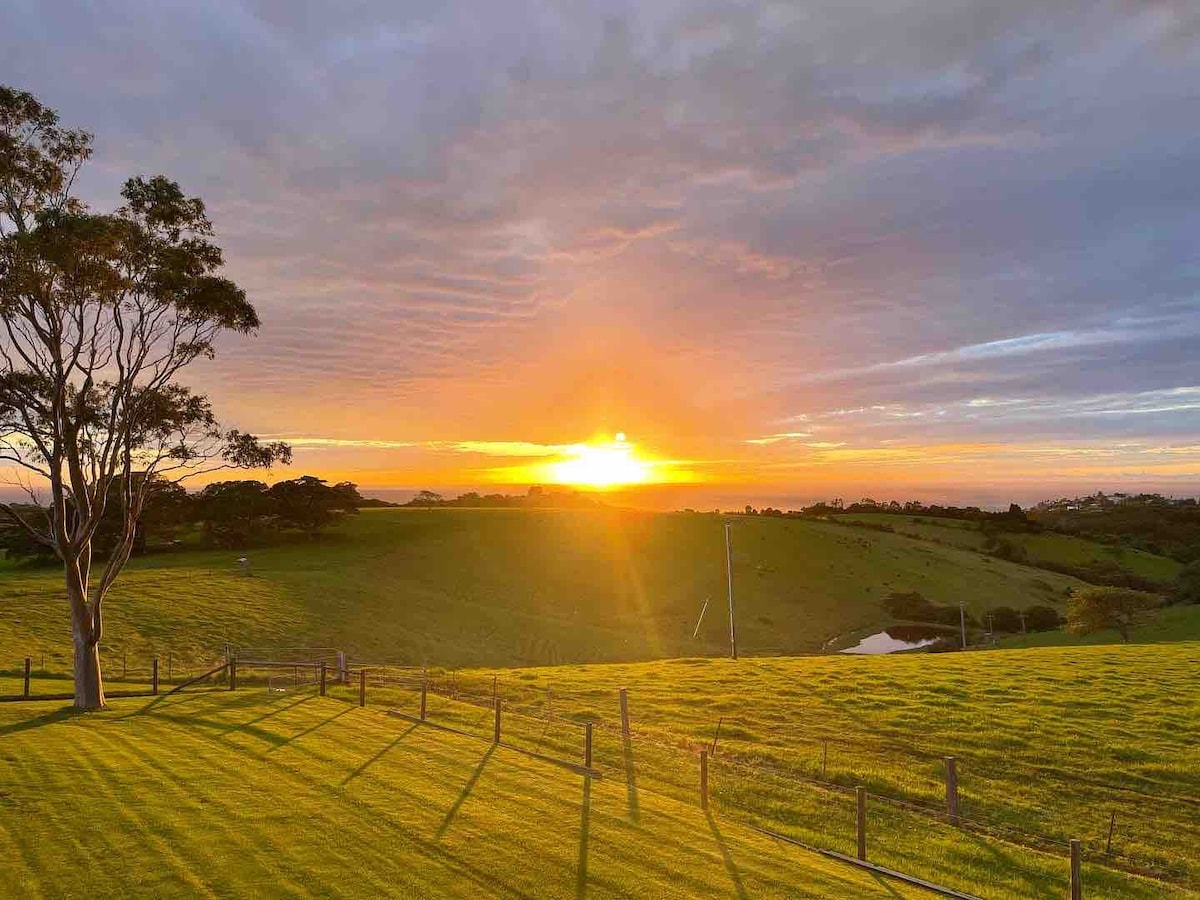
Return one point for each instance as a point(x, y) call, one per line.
point(915, 608)
point(1150, 522)
point(535, 497)
point(1165, 526)
point(1012, 519)
point(231, 514)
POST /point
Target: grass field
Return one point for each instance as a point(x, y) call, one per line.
point(1047, 547)
point(1049, 742)
point(237, 795)
point(228, 793)
point(521, 587)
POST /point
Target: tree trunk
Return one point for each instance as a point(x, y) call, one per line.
point(89, 685)
point(85, 634)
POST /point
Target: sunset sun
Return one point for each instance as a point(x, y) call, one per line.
point(598, 466)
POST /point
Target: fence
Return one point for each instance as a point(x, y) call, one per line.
point(594, 733)
point(575, 727)
point(50, 676)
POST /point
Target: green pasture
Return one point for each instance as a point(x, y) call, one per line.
point(519, 587)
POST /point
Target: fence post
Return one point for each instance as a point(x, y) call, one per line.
point(952, 789)
point(1076, 879)
point(587, 746)
point(233, 674)
point(824, 756)
point(424, 693)
point(124, 666)
point(154, 676)
point(362, 687)
point(861, 795)
point(28, 668)
point(496, 735)
point(704, 779)
point(322, 688)
point(624, 713)
point(170, 665)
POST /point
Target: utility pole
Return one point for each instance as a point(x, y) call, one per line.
point(729, 578)
point(962, 622)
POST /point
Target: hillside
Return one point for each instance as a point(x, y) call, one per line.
point(1042, 548)
point(512, 587)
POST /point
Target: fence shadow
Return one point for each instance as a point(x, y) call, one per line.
point(465, 793)
point(886, 885)
point(730, 866)
point(319, 725)
point(585, 809)
point(631, 791)
point(374, 759)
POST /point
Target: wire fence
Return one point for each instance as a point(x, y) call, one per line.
point(595, 731)
point(557, 709)
point(49, 674)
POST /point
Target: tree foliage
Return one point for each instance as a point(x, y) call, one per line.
point(1100, 608)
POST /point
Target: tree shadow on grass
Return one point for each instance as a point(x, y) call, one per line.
point(49, 718)
point(223, 728)
point(464, 794)
point(585, 809)
point(631, 794)
point(378, 756)
point(730, 866)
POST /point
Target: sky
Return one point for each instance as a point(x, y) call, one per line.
point(923, 248)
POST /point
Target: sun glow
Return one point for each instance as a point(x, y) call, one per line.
point(599, 466)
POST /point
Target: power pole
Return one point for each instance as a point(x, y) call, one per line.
point(729, 578)
point(962, 622)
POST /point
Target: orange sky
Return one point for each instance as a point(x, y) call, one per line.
point(793, 251)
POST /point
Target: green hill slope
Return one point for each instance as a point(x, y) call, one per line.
point(505, 587)
point(1042, 548)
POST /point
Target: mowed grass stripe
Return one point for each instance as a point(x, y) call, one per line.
point(516, 832)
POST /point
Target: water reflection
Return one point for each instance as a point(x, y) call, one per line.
point(897, 638)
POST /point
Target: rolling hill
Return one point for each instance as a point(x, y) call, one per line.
point(523, 587)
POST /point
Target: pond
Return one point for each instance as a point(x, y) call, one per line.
point(897, 638)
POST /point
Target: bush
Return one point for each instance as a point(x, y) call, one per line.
point(1187, 586)
point(916, 608)
point(1042, 618)
point(1006, 619)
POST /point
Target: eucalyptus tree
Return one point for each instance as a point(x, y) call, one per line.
point(100, 313)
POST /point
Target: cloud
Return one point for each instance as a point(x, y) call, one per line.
point(702, 219)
